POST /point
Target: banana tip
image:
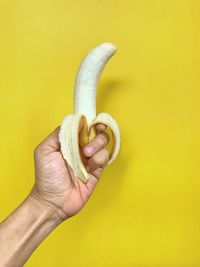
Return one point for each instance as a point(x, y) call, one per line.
point(110, 46)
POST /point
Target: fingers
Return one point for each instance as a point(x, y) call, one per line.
point(98, 160)
point(96, 155)
point(96, 144)
point(96, 173)
point(100, 127)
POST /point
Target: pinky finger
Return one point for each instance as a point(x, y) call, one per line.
point(97, 172)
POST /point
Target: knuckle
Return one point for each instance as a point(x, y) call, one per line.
point(97, 161)
point(37, 150)
point(106, 156)
point(102, 139)
point(101, 159)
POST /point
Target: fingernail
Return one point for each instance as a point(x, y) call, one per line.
point(89, 150)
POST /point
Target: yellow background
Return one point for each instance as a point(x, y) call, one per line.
point(146, 208)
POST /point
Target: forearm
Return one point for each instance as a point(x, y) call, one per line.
point(23, 231)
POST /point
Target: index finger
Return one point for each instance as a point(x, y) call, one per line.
point(100, 127)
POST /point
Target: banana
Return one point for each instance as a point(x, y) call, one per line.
point(71, 139)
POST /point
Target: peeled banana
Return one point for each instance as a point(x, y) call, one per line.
point(70, 138)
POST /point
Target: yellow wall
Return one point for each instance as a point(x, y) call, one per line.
point(146, 209)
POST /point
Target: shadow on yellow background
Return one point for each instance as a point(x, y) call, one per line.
point(145, 210)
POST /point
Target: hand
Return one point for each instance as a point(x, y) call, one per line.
point(55, 184)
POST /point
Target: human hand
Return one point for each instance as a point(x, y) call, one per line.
point(55, 184)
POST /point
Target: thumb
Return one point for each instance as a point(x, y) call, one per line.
point(51, 143)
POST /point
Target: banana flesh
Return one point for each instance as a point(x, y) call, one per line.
point(71, 139)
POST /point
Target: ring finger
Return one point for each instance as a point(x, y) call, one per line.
point(99, 159)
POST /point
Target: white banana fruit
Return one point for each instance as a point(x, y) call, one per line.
point(70, 138)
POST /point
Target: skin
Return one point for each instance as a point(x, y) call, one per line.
point(55, 196)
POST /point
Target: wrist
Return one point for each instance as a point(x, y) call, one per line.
point(50, 211)
point(24, 229)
